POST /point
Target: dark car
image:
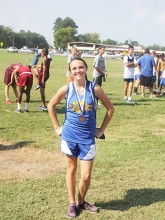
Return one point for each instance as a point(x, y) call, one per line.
point(35, 50)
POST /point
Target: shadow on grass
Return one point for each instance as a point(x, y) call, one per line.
point(21, 144)
point(135, 197)
point(129, 104)
point(149, 100)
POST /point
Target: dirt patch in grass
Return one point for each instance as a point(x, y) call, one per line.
point(20, 163)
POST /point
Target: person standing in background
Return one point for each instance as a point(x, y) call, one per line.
point(155, 72)
point(74, 54)
point(129, 65)
point(146, 64)
point(41, 73)
point(99, 71)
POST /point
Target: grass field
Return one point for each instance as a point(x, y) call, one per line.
point(128, 179)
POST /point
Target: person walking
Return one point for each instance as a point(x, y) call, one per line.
point(79, 130)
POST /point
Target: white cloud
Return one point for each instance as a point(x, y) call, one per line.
point(160, 18)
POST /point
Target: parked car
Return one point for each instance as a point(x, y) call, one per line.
point(26, 50)
point(109, 55)
point(88, 54)
point(35, 50)
point(12, 49)
point(118, 55)
point(67, 53)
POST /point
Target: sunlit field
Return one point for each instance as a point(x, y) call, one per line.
point(128, 179)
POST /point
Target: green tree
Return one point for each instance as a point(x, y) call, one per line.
point(133, 43)
point(63, 36)
point(81, 38)
point(67, 22)
point(110, 42)
point(155, 47)
point(92, 38)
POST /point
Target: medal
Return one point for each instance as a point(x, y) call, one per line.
point(81, 117)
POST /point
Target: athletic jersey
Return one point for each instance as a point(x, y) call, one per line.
point(137, 71)
point(163, 69)
point(156, 62)
point(24, 70)
point(50, 56)
point(160, 65)
point(74, 130)
point(99, 62)
point(10, 69)
point(128, 71)
point(146, 63)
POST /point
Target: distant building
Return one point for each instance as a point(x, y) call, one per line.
point(84, 46)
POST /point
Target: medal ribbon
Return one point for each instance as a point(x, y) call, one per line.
point(78, 98)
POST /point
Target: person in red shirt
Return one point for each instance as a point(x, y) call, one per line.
point(9, 81)
point(23, 78)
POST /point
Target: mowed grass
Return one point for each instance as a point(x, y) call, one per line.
point(128, 179)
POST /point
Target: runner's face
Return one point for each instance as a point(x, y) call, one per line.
point(131, 51)
point(78, 69)
point(102, 51)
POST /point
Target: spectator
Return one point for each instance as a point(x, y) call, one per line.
point(146, 63)
point(129, 65)
point(155, 70)
point(99, 71)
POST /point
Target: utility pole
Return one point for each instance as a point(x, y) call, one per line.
point(13, 36)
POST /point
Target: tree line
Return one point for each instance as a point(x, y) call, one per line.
point(64, 31)
point(30, 39)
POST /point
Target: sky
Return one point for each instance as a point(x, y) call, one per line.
point(119, 20)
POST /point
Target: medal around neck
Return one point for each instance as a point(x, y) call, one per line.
point(81, 117)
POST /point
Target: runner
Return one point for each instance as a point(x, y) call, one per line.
point(10, 81)
point(79, 130)
point(41, 73)
point(23, 78)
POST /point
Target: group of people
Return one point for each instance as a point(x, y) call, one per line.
point(22, 76)
point(78, 132)
point(147, 70)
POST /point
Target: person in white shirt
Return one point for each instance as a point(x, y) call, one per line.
point(129, 64)
point(137, 74)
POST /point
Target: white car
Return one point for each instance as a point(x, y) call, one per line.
point(88, 54)
point(26, 50)
point(118, 55)
point(109, 55)
point(12, 49)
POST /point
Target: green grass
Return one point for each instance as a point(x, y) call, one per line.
point(128, 180)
